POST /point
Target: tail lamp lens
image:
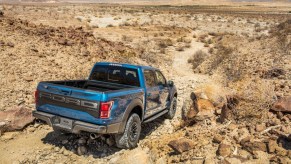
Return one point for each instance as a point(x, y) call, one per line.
point(105, 108)
point(36, 96)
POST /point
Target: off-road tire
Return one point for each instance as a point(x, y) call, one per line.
point(130, 137)
point(172, 110)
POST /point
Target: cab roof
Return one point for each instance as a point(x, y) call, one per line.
point(126, 65)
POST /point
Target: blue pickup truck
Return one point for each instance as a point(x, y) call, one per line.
point(115, 100)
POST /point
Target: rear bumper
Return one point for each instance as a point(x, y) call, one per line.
point(76, 126)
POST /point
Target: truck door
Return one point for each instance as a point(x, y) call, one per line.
point(152, 93)
point(163, 90)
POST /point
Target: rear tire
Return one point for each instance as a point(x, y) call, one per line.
point(172, 110)
point(130, 137)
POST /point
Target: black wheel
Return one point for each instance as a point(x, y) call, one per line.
point(172, 109)
point(130, 137)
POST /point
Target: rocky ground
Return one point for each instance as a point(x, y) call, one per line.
point(232, 71)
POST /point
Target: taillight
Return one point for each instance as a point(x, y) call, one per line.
point(105, 108)
point(36, 96)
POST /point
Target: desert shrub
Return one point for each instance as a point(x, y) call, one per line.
point(184, 39)
point(180, 48)
point(211, 50)
point(222, 54)
point(187, 45)
point(180, 39)
point(163, 50)
point(203, 37)
point(212, 33)
point(233, 69)
point(110, 25)
point(281, 32)
point(125, 24)
point(164, 43)
point(256, 96)
point(187, 40)
point(197, 58)
point(210, 41)
point(127, 38)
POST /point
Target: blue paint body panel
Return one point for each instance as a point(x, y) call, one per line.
point(122, 98)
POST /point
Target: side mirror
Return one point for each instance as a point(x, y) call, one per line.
point(170, 83)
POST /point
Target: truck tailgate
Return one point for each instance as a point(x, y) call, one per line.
point(69, 102)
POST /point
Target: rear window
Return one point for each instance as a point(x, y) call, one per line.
point(115, 74)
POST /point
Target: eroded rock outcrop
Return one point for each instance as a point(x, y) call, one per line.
point(15, 119)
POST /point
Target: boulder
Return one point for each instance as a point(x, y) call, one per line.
point(15, 119)
point(218, 138)
point(195, 109)
point(272, 146)
point(224, 150)
point(181, 145)
point(254, 146)
point(260, 127)
point(228, 109)
point(135, 156)
point(189, 109)
point(282, 105)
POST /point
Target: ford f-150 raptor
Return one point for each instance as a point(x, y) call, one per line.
point(115, 100)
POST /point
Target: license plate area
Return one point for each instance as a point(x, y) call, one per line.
point(66, 123)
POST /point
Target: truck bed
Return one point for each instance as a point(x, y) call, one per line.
point(92, 85)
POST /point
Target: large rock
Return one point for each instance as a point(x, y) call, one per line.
point(135, 156)
point(254, 146)
point(1, 13)
point(182, 144)
point(228, 109)
point(224, 150)
point(189, 109)
point(272, 145)
point(260, 127)
point(218, 138)
point(15, 119)
point(195, 109)
point(283, 105)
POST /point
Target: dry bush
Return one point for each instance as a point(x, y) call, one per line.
point(222, 54)
point(164, 43)
point(215, 92)
point(282, 33)
point(125, 24)
point(110, 25)
point(256, 98)
point(180, 48)
point(233, 68)
point(211, 50)
point(197, 58)
point(212, 33)
point(210, 41)
point(188, 45)
point(127, 38)
point(184, 39)
point(202, 38)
